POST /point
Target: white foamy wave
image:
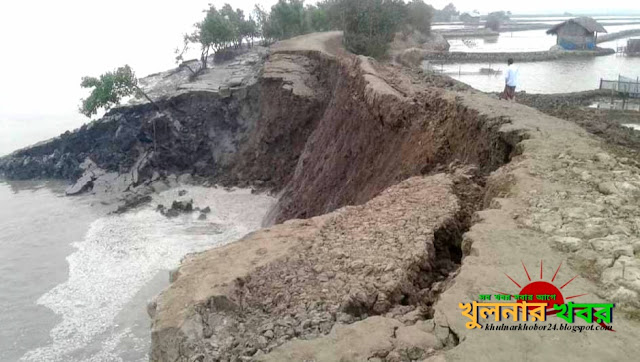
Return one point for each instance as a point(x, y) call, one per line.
point(120, 254)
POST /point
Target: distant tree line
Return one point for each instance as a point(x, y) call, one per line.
point(448, 13)
point(369, 25)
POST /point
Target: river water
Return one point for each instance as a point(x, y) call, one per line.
point(75, 282)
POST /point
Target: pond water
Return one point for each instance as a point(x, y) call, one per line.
point(558, 76)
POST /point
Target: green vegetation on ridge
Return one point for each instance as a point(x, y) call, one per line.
point(368, 25)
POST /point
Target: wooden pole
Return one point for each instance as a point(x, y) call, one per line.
point(612, 96)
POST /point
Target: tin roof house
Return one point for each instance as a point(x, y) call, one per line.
point(578, 34)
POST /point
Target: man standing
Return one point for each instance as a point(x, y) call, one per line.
point(511, 81)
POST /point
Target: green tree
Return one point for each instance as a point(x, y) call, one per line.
point(450, 9)
point(109, 89)
point(419, 16)
point(335, 12)
point(317, 18)
point(264, 25)
point(249, 29)
point(370, 25)
point(215, 32)
point(446, 13)
point(235, 20)
point(287, 19)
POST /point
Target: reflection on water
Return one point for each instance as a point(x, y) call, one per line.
point(519, 41)
point(632, 105)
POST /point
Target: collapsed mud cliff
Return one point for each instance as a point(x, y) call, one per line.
point(380, 126)
point(326, 133)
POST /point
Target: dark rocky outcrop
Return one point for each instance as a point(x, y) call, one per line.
point(177, 208)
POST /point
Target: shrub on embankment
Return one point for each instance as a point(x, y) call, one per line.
point(370, 25)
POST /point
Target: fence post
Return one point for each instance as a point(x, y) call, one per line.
point(612, 97)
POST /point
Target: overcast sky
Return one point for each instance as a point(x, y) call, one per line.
point(47, 46)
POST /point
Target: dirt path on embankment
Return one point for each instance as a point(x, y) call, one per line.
point(378, 281)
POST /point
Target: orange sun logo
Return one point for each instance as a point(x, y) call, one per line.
point(542, 287)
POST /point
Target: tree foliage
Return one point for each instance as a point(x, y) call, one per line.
point(370, 25)
point(446, 14)
point(317, 18)
point(419, 16)
point(288, 19)
point(109, 89)
point(496, 19)
point(219, 30)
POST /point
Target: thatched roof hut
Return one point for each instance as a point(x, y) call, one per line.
point(578, 33)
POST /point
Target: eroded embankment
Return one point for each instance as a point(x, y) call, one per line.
point(378, 129)
point(409, 153)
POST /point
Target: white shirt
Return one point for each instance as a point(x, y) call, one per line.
point(512, 76)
